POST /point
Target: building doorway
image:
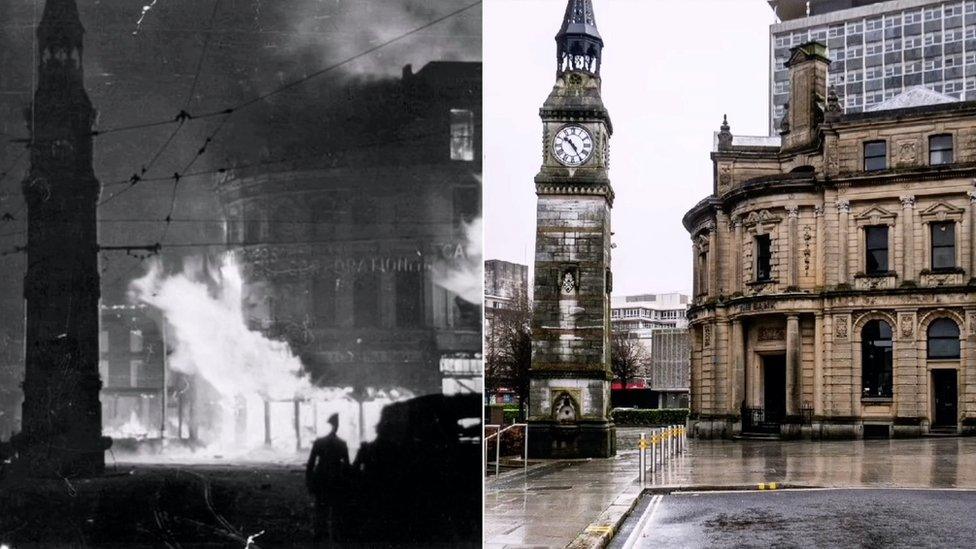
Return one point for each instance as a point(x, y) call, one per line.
point(774, 388)
point(945, 399)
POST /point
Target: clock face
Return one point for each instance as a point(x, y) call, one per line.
point(572, 146)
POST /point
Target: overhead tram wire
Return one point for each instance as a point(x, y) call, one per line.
point(231, 110)
point(280, 160)
point(298, 82)
point(182, 116)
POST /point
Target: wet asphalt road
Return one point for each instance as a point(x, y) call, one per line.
point(804, 518)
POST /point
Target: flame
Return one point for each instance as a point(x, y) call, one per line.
point(253, 377)
point(466, 277)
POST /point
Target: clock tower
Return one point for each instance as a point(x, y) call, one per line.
point(62, 415)
point(569, 404)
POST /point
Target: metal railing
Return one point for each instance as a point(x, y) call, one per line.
point(665, 443)
point(498, 444)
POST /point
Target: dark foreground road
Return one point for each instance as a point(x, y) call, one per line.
point(803, 518)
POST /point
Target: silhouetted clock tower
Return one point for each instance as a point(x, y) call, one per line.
point(569, 404)
point(62, 424)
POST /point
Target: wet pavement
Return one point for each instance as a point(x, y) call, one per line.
point(802, 518)
point(552, 503)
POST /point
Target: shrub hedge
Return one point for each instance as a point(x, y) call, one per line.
point(637, 417)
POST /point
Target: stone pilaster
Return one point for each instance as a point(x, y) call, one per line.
point(818, 370)
point(820, 247)
point(972, 235)
point(794, 378)
point(737, 254)
point(843, 214)
point(793, 213)
point(713, 261)
point(738, 382)
point(908, 238)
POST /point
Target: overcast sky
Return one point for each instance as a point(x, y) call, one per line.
point(670, 70)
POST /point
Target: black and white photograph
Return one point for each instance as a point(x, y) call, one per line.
point(240, 273)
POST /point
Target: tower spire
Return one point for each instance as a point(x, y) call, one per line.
point(579, 44)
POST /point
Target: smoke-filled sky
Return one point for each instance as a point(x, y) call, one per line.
point(141, 67)
point(671, 69)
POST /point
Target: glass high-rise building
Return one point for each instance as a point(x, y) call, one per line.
point(877, 49)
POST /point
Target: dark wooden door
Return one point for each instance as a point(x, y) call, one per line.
point(946, 398)
point(774, 388)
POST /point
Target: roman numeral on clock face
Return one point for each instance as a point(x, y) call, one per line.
point(572, 145)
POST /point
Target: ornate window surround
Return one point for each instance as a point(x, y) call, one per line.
point(757, 223)
point(936, 213)
point(874, 216)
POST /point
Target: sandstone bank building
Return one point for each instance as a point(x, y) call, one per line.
point(833, 270)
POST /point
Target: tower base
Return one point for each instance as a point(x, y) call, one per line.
point(552, 440)
point(63, 460)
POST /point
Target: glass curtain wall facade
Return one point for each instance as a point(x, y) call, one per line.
point(878, 51)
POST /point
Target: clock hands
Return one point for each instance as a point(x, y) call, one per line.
point(571, 144)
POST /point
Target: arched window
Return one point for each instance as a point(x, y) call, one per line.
point(943, 339)
point(876, 360)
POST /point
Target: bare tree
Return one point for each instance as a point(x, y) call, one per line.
point(627, 357)
point(508, 351)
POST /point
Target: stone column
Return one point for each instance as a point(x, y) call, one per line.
point(793, 213)
point(737, 254)
point(819, 266)
point(844, 212)
point(738, 382)
point(908, 238)
point(793, 376)
point(695, 275)
point(818, 372)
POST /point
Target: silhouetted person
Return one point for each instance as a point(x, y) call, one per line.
point(326, 475)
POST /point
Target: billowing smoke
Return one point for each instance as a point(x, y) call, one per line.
point(249, 388)
point(465, 278)
point(338, 29)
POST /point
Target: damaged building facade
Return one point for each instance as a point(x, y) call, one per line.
point(833, 270)
point(353, 255)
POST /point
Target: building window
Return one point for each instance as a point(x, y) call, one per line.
point(366, 301)
point(943, 245)
point(135, 372)
point(103, 372)
point(940, 149)
point(462, 135)
point(763, 257)
point(324, 300)
point(103, 341)
point(135, 341)
point(409, 291)
point(875, 156)
point(943, 339)
point(876, 245)
point(876, 360)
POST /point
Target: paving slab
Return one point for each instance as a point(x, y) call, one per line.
point(553, 504)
